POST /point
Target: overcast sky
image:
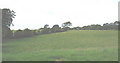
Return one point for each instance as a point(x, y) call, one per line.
point(35, 14)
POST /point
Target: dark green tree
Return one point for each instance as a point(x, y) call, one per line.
point(55, 28)
point(18, 34)
point(7, 18)
point(66, 24)
point(46, 29)
point(28, 32)
point(76, 28)
point(46, 26)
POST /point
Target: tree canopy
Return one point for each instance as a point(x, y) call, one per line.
point(7, 17)
point(66, 24)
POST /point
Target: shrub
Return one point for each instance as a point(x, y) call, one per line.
point(18, 34)
point(28, 33)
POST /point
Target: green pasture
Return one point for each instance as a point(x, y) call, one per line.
point(75, 45)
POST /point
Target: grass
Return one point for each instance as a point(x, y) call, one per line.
point(73, 45)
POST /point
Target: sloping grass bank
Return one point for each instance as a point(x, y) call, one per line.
point(83, 45)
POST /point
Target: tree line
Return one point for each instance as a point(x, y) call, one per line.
point(46, 30)
point(8, 16)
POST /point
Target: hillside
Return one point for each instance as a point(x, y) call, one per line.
point(76, 45)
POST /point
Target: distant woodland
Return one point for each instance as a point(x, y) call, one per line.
point(9, 15)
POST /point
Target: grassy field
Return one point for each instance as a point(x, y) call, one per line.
point(65, 46)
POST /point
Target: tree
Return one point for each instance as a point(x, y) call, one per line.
point(46, 26)
point(95, 27)
point(116, 22)
point(45, 30)
point(55, 28)
point(111, 26)
point(7, 18)
point(36, 32)
point(66, 24)
point(76, 28)
point(28, 32)
point(18, 34)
